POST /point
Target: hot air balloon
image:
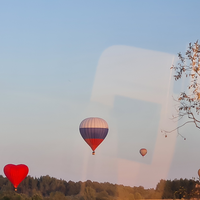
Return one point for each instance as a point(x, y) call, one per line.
point(199, 173)
point(93, 130)
point(16, 173)
point(143, 151)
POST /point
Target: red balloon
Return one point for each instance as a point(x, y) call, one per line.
point(16, 173)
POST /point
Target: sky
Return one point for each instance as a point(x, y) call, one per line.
point(64, 61)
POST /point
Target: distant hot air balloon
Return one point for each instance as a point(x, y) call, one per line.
point(16, 173)
point(93, 130)
point(143, 151)
point(199, 173)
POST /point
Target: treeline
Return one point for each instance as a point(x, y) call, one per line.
point(49, 188)
point(178, 189)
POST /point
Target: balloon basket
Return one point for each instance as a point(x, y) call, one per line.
point(15, 189)
point(93, 153)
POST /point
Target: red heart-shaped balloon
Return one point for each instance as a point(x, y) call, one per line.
point(16, 173)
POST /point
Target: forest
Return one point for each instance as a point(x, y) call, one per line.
point(49, 188)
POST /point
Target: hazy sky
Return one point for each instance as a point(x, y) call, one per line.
point(64, 61)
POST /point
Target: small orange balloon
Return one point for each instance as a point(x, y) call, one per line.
point(143, 151)
point(199, 172)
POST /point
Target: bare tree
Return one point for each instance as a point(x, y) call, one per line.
point(188, 102)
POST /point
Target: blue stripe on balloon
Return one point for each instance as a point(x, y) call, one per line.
point(91, 133)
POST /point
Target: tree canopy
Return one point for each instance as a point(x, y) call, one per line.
point(49, 188)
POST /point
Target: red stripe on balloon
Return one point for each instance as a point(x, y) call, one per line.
point(93, 142)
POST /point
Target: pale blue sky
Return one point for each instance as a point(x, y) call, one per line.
point(52, 55)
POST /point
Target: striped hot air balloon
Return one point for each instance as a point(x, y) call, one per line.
point(93, 130)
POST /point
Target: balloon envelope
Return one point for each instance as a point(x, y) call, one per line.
point(143, 151)
point(199, 172)
point(93, 130)
point(16, 173)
